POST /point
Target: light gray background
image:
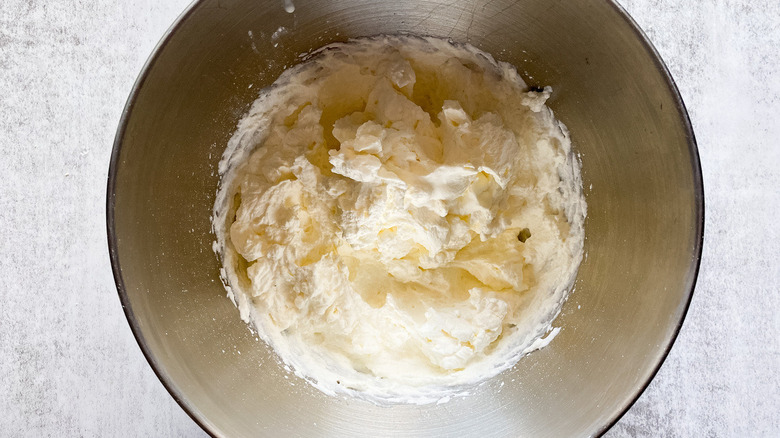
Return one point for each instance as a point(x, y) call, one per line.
point(69, 365)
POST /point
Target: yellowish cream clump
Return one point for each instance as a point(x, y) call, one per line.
point(400, 217)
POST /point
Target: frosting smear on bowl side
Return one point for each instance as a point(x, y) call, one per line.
point(400, 217)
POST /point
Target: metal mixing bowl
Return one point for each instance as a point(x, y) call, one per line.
point(640, 170)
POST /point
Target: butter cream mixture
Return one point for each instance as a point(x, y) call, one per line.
point(400, 217)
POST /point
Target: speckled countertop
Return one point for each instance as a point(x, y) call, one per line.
point(69, 365)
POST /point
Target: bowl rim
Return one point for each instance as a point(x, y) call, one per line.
point(159, 370)
point(113, 167)
point(698, 185)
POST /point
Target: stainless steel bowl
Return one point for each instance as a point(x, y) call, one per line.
point(640, 169)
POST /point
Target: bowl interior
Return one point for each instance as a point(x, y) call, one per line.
point(640, 172)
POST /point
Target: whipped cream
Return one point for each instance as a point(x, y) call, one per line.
point(400, 218)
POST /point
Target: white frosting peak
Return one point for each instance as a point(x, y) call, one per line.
point(379, 193)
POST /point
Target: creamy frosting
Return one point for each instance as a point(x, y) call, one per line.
point(400, 217)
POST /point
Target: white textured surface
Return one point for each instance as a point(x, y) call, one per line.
point(69, 365)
